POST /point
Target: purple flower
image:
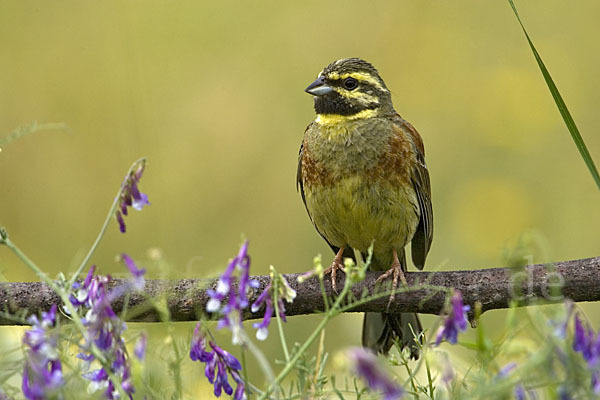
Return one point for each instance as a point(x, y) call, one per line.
point(42, 374)
point(130, 195)
point(137, 273)
point(121, 221)
point(197, 348)
point(584, 342)
point(80, 293)
point(596, 381)
point(563, 394)
point(519, 392)
point(140, 347)
point(522, 394)
point(266, 298)
point(364, 363)
point(219, 365)
point(455, 321)
point(240, 393)
point(506, 370)
point(587, 343)
point(237, 300)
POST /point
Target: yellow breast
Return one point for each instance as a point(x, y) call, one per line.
point(356, 212)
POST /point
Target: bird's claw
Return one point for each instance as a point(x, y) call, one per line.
point(396, 272)
point(333, 268)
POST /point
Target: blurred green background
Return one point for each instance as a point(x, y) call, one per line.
point(212, 93)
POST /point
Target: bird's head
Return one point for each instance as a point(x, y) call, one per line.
point(349, 89)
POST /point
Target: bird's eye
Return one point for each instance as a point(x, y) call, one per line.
point(350, 83)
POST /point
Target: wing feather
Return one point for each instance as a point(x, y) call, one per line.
point(421, 241)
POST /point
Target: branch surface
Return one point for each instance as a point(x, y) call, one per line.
point(494, 288)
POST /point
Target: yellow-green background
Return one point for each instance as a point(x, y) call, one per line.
point(212, 93)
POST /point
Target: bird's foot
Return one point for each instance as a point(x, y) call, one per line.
point(397, 274)
point(336, 264)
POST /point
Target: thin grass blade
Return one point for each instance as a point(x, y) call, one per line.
point(562, 107)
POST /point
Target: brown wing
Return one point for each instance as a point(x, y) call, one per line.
point(423, 237)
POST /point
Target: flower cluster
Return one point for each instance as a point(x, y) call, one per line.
point(455, 321)
point(587, 343)
point(238, 300)
point(284, 291)
point(130, 195)
point(105, 329)
point(219, 364)
point(364, 363)
point(42, 375)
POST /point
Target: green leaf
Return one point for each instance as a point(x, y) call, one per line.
point(562, 107)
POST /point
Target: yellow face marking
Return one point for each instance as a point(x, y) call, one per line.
point(364, 98)
point(333, 119)
point(359, 76)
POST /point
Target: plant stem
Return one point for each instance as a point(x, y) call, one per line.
point(291, 364)
point(107, 220)
point(262, 362)
point(429, 379)
point(245, 372)
point(411, 378)
point(67, 304)
point(279, 324)
point(175, 367)
point(318, 361)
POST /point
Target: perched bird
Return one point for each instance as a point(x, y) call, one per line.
point(363, 180)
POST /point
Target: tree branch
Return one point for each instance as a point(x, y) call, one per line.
point(493, 288)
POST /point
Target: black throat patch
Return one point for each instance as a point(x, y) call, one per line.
point(336, 104)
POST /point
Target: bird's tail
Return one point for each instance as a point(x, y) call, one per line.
point(380, 330)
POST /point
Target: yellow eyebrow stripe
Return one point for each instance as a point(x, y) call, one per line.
point(359, 76)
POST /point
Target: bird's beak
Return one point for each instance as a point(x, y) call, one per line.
point(318, 87)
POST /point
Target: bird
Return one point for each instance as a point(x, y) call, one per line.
point(363, 180)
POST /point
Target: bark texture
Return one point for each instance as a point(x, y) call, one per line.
point(493, 288)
